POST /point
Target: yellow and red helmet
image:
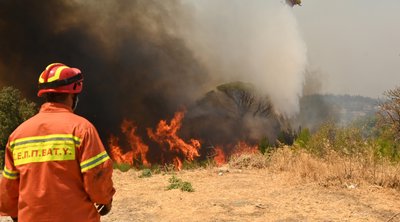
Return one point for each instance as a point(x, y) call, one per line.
point(59, 78)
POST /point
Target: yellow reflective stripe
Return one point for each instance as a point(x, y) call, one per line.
point(41, 80)
point(9, 174)
point(40, 139)
point(49, 151)
point(55, 147)
point(57, 73)
point(94, 161)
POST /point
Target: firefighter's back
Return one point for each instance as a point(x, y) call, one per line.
point(46, 153)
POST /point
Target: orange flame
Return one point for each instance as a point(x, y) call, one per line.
point(138, 148)
point(219, 157)
point(240, 148)
point(177, 163)
point(243, 148)
point(166, 135)
point(135, 142)
point(116, 152)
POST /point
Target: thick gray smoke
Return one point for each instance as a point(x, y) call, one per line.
point(255, 41)
point(133, 67)
point(145, 59)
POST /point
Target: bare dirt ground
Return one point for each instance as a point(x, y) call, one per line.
point(246, 195)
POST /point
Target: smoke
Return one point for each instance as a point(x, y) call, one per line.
point(133, 66)
point(145, 59)
point(257, 42)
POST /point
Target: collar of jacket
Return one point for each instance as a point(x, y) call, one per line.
point(55, 107)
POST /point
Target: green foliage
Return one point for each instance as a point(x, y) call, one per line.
point(123, 167)
point(177, 183)
point(385, 145)
point(145, 173)
point(344, 140)
point(265, 146)
point(194, 164)
point(14, 109)
point(186, 186)
point(303, 138)
point(174, 183)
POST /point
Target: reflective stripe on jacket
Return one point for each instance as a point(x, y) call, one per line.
point(56, 168)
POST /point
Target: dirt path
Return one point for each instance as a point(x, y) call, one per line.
point(246, 195)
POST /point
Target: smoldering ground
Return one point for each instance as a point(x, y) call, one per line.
point(145, 59)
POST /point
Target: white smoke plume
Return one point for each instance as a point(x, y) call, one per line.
point(253, 41)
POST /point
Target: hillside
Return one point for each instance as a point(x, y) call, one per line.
point(342, 109)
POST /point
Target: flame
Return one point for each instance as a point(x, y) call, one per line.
point(219, 157)
point(138, 148)
point(166, 136)
point(178, 163)
point(243, 148)
point(116, 152)
point(173, 148)
point(240, 148)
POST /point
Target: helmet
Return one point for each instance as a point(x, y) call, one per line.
point(59, 78)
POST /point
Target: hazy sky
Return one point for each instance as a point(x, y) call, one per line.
point(353, 44)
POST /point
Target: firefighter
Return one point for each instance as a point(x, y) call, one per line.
point(56, 167)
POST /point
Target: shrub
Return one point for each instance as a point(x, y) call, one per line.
point(14, 109)
point(344, 140)
point(145, 173)
point(303, 138)
point(264, 146)
point(186, 186)
point(385, 145)
point(177, 183)
point(123, 167)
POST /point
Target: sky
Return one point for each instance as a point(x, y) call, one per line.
point(353, 45)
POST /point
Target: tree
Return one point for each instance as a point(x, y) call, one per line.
point(14, 109)
point(246, 100)
point(389, 111)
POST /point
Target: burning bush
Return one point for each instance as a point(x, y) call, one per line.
point(234, 117)
point(173, 148)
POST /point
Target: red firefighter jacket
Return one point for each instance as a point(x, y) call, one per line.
point(56, 168)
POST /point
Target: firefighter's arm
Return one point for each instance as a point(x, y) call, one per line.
point(96, 168)
point(9, 187)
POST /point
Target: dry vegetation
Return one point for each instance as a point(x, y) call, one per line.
point(288, 184)
point(331, 170)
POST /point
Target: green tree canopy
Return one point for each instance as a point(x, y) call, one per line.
point(14, 109)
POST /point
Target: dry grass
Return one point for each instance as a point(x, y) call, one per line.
point(333, 169)
point(248, 161)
